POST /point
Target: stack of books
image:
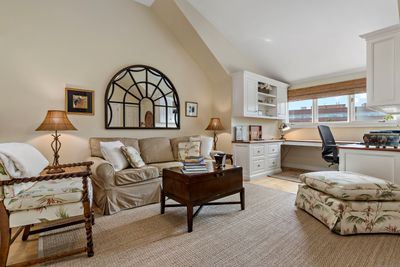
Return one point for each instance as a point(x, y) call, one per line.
point(194, 165)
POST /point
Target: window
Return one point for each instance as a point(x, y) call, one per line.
point(332, 109)
point(300, 111)
point(362, 113)
point(337, 109)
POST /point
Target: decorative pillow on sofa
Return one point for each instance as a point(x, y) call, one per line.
point(133, 156)
point(112, 152)
point(206, 145)
point(188, 149)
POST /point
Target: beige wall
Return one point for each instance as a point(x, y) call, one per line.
point(47, 44)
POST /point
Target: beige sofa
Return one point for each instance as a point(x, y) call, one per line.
point(118, 190)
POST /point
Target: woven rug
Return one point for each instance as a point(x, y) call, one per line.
point(270, 232)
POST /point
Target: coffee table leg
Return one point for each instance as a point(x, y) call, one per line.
point(242, 199)
point(162, 206)
point(189, 209)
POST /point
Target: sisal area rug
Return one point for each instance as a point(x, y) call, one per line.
point(270, 232)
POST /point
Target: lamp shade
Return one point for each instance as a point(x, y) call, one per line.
point(56, 120)
point(285, 127)
point(215, 125)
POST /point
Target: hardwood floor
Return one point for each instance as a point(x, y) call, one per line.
point(278, 184)
point(25, 250)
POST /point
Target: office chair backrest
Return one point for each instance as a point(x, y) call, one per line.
point(327, 139)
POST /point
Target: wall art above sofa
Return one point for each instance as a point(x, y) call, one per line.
point(141, 97)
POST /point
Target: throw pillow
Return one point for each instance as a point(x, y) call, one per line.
point(188, 149)
point(206, 145)
point(22, 160)
point(133, 156)
point(112, 152)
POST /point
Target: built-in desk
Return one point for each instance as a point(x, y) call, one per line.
point(383, 163)
point(305, 154)
point(312, 143)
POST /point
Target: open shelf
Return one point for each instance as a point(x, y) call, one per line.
point(268, 95)
point(266, 104)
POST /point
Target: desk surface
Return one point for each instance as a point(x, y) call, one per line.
point(363, 147)
point(312, 143)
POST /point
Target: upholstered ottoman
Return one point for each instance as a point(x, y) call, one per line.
point(350, 203)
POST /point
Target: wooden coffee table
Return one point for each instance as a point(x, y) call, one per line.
point(192, 190)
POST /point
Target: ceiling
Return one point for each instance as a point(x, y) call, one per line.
point(295, 40)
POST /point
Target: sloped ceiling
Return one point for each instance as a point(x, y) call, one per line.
point(294, 40)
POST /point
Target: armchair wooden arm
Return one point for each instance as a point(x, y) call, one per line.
point(71, 170)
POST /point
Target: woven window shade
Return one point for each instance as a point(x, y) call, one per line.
point(326, 90)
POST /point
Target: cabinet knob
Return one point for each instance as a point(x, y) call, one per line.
point(258, 165)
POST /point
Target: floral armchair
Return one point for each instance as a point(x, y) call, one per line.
point(45, 198)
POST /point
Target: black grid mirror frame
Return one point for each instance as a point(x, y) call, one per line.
point(140, 87)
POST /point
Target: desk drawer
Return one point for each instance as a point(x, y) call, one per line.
point(273, 163)
point(258, 151)
point(258, 165)
point(273, 148)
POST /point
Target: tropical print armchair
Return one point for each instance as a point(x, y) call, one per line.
point(45, 198)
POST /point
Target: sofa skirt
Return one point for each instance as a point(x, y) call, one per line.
point(112, 200)
point(350, 217)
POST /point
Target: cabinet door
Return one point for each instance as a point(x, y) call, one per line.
point(281, 101)
point(383, 86)
point(251, 89)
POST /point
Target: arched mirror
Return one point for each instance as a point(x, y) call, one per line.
point(141, 97)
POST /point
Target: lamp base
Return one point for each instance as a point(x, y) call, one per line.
point(55, 171)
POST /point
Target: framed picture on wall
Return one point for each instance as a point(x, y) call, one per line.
point(79, 101)
point(191, 109)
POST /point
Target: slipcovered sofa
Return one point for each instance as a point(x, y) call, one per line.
point(132, 187)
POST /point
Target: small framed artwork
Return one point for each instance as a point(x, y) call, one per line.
point(79, 101)
point(191, 109)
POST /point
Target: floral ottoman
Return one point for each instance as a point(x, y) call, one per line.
point(350, 203)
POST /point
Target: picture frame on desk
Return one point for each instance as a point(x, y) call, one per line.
point(255, 132)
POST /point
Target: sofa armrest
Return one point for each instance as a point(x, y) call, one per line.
point(102, 172)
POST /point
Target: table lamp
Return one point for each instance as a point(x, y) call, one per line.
point(215, 125)
point(56, 120)
point(283, 128)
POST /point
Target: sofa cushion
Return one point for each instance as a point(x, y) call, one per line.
point(133, 156)
point(156, 149)
point(137, 175)
point(47, 193)
point(174, 145)
point(95, 144)
point(351, 186)
point(112, 152)
point(188, 149)
point(164, 165)
point(205, 146)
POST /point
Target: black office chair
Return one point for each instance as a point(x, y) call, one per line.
point(329, 148)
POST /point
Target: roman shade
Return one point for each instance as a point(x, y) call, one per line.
point(327, 90)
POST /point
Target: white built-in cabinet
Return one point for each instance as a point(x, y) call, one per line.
point(380, 164)
point(383, 69)
point(250, 101)
point(258, 159)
